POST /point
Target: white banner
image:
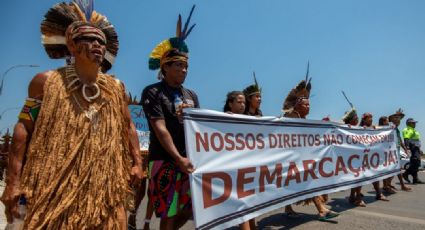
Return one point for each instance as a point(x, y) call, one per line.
point(141, 123)
point(248, 166)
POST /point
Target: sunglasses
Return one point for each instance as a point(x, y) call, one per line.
point(89, 39)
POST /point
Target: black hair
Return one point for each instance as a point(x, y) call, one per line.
point(382, 119)
point(231, 97)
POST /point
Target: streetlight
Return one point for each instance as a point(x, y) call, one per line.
point(8, 109)
point(7, 71)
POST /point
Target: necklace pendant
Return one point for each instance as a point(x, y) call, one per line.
point(91, 112)
point(92, 98)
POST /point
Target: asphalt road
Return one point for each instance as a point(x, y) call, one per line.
point(405, 210)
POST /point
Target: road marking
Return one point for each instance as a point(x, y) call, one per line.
point(392, 217)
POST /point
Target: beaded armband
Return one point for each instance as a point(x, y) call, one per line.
point(30, 110)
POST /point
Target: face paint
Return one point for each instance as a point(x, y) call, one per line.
point(90, 48)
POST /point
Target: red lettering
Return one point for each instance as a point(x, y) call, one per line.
point(374, 163)
point(293, 173)
point(201, 141)
point(228, 138)
point(214, 137)
point(249, 137)
point(391, 159)
point(365, 163)
point(207, 188)
point(356, 171)
point(286, 141)
point(309, 170)
point(265, 176)
point(260, 141)
point(240, 140)
point(272, 141)
point(242, 180)
point(340, 166)
point(321, 170)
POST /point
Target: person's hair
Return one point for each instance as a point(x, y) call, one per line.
point(172, 53)
point(382, 120)
point(230, 98)
point(365, 115)
point(248, 100)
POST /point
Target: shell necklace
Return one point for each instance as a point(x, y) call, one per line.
point(75, 82)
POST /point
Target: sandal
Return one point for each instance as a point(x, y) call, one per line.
point(381, 197)
point(329, 215)
point(359, 203)
point(406, 189)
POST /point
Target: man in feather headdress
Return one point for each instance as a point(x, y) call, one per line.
point(74, 150)
point(396, 118)
point(297, 105)
point(351, 118)
point(163, 102)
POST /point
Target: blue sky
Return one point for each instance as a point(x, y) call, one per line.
point(374, 50)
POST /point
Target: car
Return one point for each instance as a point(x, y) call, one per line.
point(405, 161)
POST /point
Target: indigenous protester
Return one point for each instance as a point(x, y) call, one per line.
point(4, 153)
point(366, 122)
point(351, 119)
point(412, 140)
point(74, 148)
point(395, 119)
point(163, 103)
point(253, 99)
point(140, 191)
point(297, 105)
point(383, 121)
point(236, 104)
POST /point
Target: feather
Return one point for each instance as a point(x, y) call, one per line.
point(184, 33)
point(190, 30)
point(308, 70)
point(86, 6)
point(346, 98)
point(179, 27)
point(255, 79)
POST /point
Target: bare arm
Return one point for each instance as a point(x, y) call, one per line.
point(403, 146)
point(136, 173)
point(133, 140)
point(21, 137)
point(167, 143)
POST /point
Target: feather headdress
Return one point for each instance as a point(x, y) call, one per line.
point(301, 91)
point(397, 115)
point(177, 42)
point(348, 116)
point(252, 89)
point(62, 15)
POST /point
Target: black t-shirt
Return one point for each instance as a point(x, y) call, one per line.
point(158, 103)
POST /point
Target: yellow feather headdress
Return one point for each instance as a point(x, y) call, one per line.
point(176, 42)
